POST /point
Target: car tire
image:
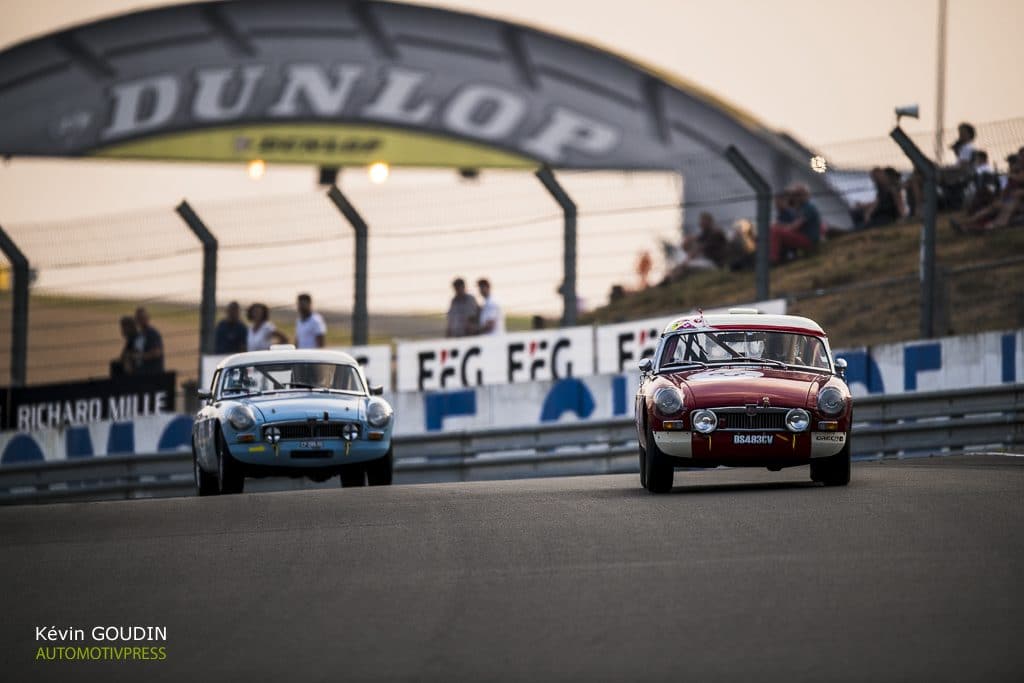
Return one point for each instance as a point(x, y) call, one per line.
point(658, 470)
point(353, 475)
point(206, 484)
point(643, 466)
point(835, 470)
point(230, 476)
point(381, 471)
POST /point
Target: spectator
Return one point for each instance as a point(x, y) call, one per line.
point(617, 293)
point(125, 363)
point(463, 312)
point(887, 206)
point(262, 333)
point(230, 335)
point(980, 163)
point(492, 320)
point(985, 186)
point(710, 242)
point(954, 180)
point(148, 346)
point(804, 232)
point(895, 187)
point(784, 212)
point(963, 146)
point(644, 264)
point(704, 251)
point(310, 328)
point(741, 250)
point(1007, 210)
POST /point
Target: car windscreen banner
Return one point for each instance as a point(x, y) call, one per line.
point(621, 346)
point(502, 359)
point(77, 403)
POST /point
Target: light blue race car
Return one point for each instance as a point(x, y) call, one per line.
point(296, 413)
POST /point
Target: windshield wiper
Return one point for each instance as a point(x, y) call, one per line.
point(750, 359)
point(684, 363)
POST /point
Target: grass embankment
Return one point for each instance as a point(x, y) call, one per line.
point(844, 286)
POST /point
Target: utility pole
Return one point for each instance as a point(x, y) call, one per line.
point(940, 83)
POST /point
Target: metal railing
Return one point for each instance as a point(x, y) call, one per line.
point(903, 425)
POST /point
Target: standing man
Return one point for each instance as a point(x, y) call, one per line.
point(492, 320)
point(463, 312)
point(148, 356)
point(124, 365)
point(231, 333)
point(310, 328)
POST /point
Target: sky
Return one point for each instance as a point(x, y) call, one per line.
point(822, 70)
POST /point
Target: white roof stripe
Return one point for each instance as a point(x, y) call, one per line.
point(288, 356)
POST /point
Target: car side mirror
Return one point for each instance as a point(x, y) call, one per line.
point(376, 390)
point(841, 368)
point(645, 365)
point(205, 394)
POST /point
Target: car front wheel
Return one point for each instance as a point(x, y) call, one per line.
point(230, 477)
point(206, 484)
point(643, 467)
point(353, 475)
point(658, 470)
point(381, 471)
point(833, 471)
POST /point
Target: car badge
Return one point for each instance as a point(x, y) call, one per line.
point(765, 401)
point(751, 409)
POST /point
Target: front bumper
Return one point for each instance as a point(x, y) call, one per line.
point(755, 447)
point(326, 453)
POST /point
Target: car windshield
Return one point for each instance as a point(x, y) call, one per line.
point(733, 346)
point(270, 377)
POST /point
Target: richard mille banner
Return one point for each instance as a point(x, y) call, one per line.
point(79, 403)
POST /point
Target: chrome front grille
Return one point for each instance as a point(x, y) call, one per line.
point(309, 430)
point(763, 419)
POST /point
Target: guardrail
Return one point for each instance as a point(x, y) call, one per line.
point(904, 425)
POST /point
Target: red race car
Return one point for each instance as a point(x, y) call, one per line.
point(743, 390)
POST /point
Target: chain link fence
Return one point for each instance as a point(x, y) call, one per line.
point(426, 228)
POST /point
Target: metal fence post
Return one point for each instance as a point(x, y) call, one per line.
point(360, 312)
point(763, 192)
point(208, 303)
point(568, 289)
point(927, 169)
point(19, 308)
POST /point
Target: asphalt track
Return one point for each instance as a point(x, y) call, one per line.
point(912, 573)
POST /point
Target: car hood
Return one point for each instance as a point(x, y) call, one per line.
point(742, 385)
point(303, 406)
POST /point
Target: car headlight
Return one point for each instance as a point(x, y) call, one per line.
point(668, 401)
point(241, 417)
point(378, 412)
point(830, 401)
point(704, 421)
point(797, 420)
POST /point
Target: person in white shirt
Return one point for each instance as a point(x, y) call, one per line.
point(310, 328)
point(963, 147)
point(492, 320)
point(261, 333)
